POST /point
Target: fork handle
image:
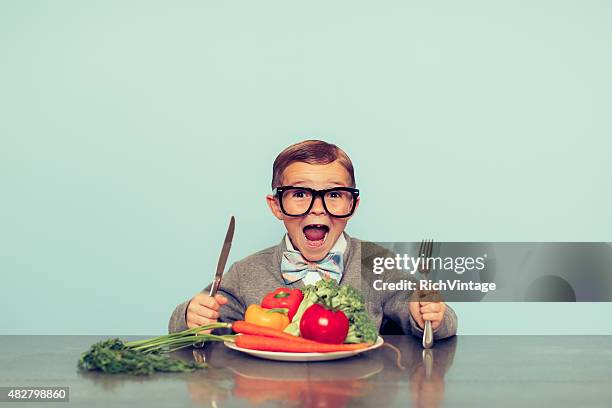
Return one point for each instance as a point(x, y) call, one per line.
point(428, 335)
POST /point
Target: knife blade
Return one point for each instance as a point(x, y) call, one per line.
point(227, 244)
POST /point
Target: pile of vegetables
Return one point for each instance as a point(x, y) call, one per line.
point(325, 317)
point(331, 296)
point(325, 312)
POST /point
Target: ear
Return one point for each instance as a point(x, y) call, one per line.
point(274, 206)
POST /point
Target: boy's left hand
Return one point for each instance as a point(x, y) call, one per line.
point(433, 311)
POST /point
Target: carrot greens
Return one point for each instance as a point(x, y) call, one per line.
point(140, 357)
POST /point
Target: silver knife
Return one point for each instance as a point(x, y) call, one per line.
point(227, 244)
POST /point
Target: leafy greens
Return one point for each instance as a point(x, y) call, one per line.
point(143, 357)
point(346, 298)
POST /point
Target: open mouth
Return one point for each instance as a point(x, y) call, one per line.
point(315, 234)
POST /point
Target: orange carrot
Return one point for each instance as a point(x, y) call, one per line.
point(264, 343)
point(243, 327)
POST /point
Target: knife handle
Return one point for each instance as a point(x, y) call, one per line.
point(215, 286)
point(213, 291)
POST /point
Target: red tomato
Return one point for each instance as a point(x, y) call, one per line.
point(324, 325)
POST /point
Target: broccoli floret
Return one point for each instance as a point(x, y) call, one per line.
point(348, 299)
point(361, 329)
point(327, 289)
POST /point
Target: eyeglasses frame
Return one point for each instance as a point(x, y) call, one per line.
point(278, 193)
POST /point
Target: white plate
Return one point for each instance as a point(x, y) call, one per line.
point(303, 357)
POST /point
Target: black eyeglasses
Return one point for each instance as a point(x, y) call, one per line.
point(339, 202)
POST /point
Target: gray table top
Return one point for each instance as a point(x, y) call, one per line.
point(462, 371)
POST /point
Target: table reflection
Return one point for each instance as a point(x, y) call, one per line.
point(375, 378)
point(372, 378)
point(486, 371)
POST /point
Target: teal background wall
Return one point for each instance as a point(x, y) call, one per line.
point(131, 130)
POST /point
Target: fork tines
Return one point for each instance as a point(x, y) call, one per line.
point(425, 251)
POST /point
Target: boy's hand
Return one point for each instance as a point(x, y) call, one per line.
point(203, 309)
point(433, 311)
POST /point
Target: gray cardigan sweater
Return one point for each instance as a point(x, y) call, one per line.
point(250, 279)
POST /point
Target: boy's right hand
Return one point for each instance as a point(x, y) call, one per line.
point(203, 309)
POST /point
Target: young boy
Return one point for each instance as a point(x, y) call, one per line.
point(314, 195)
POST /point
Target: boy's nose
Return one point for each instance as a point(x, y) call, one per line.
point(317, 206)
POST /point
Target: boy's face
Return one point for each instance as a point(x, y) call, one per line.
point(318, 177)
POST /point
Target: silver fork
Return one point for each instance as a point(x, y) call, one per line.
point(425, 251)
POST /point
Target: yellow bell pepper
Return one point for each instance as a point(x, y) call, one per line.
point(275, 318)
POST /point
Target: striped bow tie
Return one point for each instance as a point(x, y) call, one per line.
point(294, 267)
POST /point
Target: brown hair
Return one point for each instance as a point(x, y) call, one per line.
point(311, 152)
